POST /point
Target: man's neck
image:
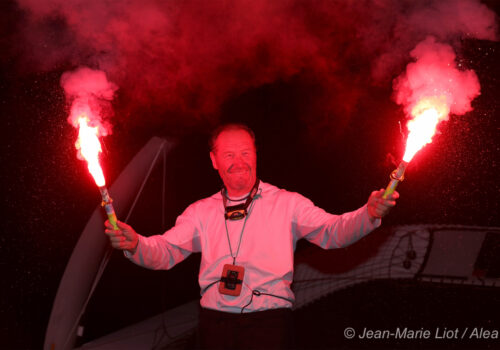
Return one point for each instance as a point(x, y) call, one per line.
point(235, 194)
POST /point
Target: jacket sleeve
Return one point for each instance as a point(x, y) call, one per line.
point(327, 230)
point(166, 250)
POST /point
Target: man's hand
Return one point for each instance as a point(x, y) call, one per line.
point(124, 239)
point(379, 207)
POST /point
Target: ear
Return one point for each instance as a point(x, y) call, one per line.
point(214, 162)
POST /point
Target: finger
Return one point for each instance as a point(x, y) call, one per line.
point(108, 224)
point(113, 232)
point(125, 245)
point(379, 193)
point(121, 244)
point(122, 225)
point(115, 245)
point(388, 203)
point(382, 212)
point(128, 233)
point(117, 239)
point(395, 195)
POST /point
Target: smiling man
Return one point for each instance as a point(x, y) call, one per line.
point(247, 234)
point(234, 155)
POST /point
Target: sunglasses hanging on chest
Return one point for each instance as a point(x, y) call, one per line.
point(238, 212)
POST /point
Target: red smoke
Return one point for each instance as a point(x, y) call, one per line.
point(89, 93)
point(434, 74)
point(190, 56)
point(395, 27)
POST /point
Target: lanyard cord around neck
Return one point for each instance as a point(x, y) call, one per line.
point(249, 202)
point(241, 235)
point(239, 243)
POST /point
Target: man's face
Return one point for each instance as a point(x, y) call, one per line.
point(235, 158)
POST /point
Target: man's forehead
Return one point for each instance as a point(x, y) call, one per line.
point(234, 138)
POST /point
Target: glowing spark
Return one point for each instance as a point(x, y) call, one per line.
point(427, 113)
point(89, 148)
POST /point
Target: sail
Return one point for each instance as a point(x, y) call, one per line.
point(92, 250)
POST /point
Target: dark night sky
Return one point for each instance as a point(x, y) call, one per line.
point(334, 156)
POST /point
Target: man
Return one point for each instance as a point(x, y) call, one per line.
point(247, 235)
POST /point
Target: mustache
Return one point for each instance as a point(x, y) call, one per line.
point(232, 168)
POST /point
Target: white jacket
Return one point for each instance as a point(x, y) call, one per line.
point(277, 219)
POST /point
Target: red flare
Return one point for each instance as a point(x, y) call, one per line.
point(427, 113)
point(89, 147)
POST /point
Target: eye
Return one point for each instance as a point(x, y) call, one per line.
point(228, 155)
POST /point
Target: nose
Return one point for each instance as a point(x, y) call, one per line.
point(238, 159)
point(239, 163)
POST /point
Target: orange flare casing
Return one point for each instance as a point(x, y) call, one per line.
point(108, 207)
point(396, 177)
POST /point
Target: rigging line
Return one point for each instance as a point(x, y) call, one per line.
point(353, 278)
point(145, 180)
point(164, 186)
point(363, 269)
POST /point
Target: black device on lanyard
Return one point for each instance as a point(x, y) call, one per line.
point(238, 212)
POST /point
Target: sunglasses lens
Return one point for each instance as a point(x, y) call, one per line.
point(237, 215)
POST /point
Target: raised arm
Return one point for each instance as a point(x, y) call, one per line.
point(335, 231)
point(158, 251)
